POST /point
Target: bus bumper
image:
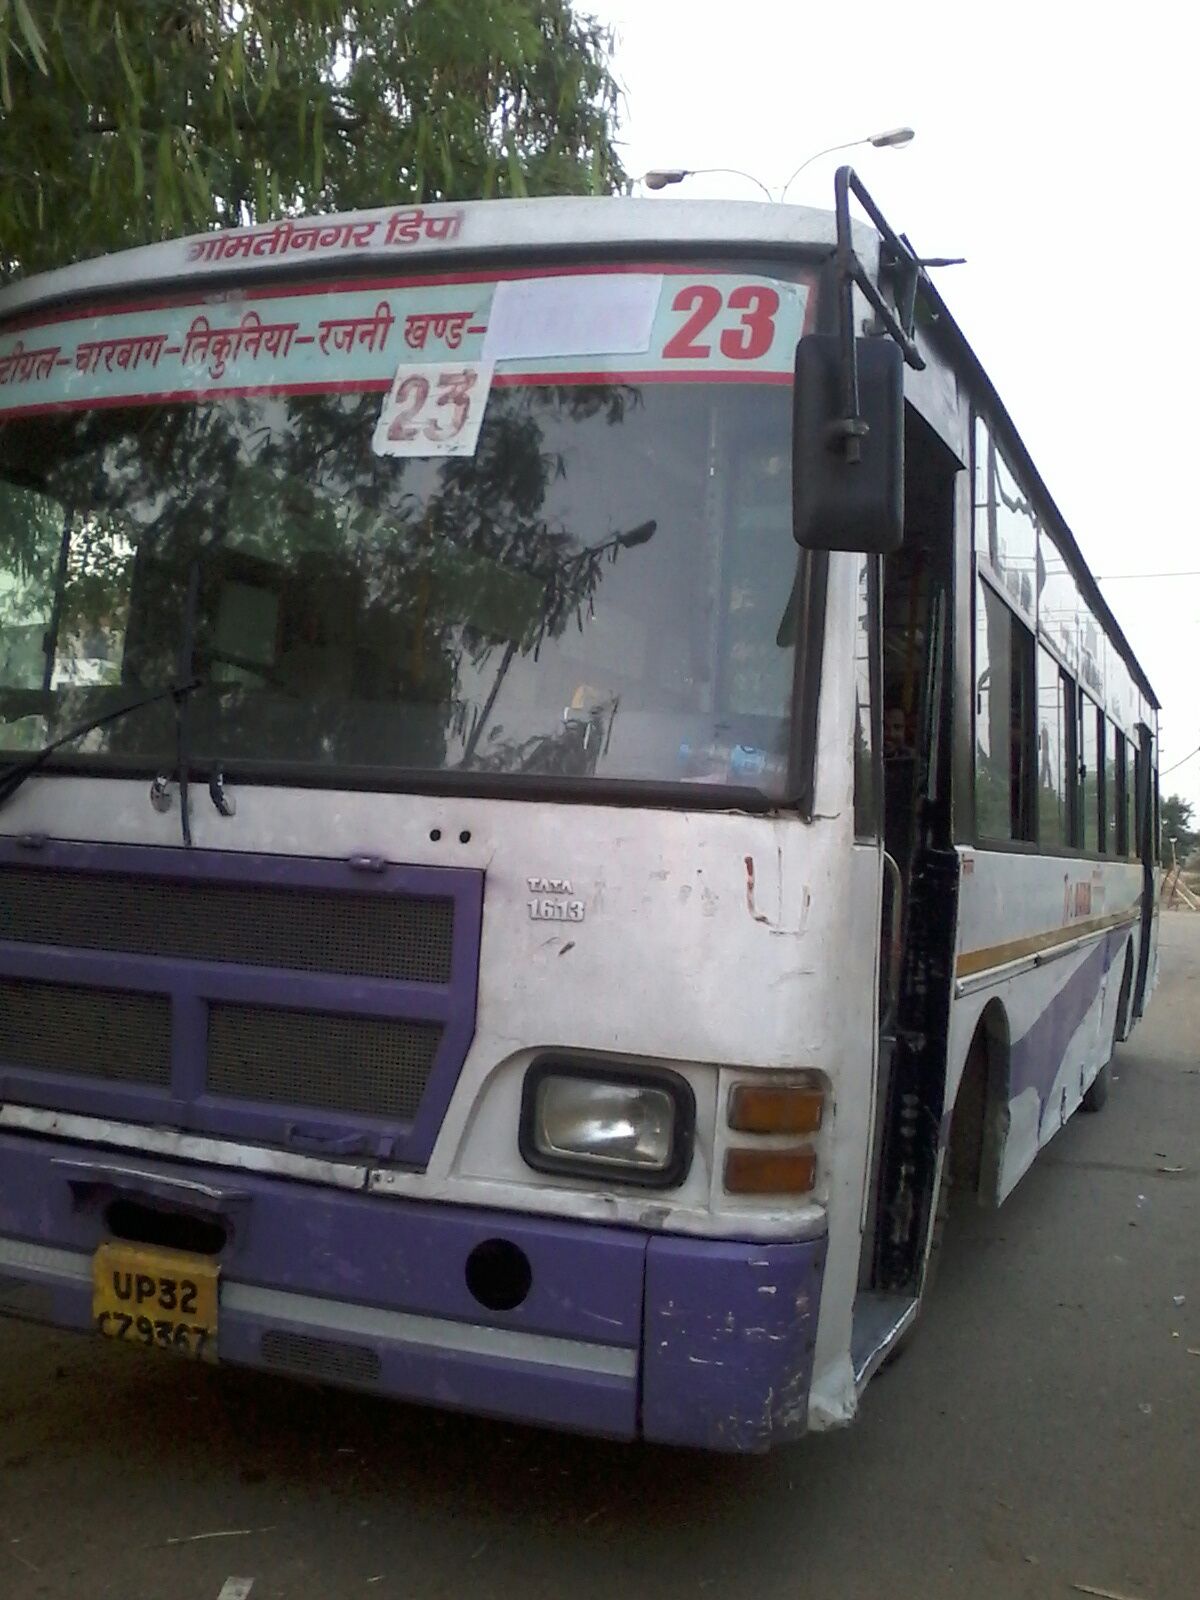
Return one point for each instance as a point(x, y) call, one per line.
point(686, 1341)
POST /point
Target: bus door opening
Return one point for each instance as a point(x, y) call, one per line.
point(920, 885)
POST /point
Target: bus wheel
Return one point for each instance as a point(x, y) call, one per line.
point(1097, 1095)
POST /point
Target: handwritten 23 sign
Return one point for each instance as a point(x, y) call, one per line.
point(372, 338)
point(433, 410)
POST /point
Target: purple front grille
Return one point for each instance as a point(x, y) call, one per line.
point(92, 1033)
point(293, 1001)
point(294, 926)
point(372, 1066)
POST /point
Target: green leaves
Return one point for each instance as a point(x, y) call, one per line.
point(27, 28)
point(126, 120)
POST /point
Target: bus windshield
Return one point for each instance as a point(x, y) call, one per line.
point(603, 588)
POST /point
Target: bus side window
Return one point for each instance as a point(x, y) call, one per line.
point(1004, 720)
point(1091, 787)
point(1112, 845)
point(1129, 809)
point(1053, 787)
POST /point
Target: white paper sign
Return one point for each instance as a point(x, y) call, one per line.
point(577, 314)
point(434, 410)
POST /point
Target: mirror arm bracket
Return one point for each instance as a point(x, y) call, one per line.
point(895, 253)
point(845, 437)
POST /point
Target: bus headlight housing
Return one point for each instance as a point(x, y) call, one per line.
point(591, 1120)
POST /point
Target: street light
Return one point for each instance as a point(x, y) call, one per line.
point(890, 139)
point(660, 177)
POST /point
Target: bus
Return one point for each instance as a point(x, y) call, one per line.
point(564, 786)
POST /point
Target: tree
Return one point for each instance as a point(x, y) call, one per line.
point(1176, 824)
point(125, 121)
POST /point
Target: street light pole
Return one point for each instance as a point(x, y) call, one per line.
point(892, 139)
point(661, 177)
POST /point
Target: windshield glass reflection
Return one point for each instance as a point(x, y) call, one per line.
point(599, 591)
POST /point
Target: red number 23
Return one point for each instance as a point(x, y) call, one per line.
point(750, 338)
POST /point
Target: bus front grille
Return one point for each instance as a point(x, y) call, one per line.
point(286, 1001)
point(366, 1066)
point(300, 929)
point(110, 1034)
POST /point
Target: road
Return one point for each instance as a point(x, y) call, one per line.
point(1042, 1432)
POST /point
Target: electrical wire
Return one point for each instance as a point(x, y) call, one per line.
point(1195, 752)
point(1111, 577)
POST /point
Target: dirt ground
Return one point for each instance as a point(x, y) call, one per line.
point(1043, 1433)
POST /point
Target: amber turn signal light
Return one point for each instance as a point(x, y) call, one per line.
point(776, 1108)
point(770, 1171)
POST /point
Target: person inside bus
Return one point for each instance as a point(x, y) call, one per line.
point(899, 787)
point(895, 734)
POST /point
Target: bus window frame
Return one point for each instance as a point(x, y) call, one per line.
point(1024, 652)
point(1077, 696)
point(1070, 753)
point(971, 563)
point(1084, 701)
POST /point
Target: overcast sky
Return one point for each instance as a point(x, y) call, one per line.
point(1056, 149)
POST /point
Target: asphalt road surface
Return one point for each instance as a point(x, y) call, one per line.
point(1042, 1433)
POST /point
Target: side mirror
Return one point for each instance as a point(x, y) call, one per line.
point(847, 472)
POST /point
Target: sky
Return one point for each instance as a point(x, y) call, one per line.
point(1055, 149)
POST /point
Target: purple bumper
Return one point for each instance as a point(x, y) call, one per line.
point(684, 1341)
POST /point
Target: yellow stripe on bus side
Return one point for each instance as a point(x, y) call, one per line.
point(999, 955)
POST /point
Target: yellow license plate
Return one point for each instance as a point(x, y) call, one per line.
point(163, 1298)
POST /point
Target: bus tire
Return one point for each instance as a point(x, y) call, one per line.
point(1096, 1097)
point(1124, 1024)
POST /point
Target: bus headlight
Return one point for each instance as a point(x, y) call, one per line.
point(596, 1120)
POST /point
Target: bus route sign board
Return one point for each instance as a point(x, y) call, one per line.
point(673, 324)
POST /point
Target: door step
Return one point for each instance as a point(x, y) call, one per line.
point(879, 1320)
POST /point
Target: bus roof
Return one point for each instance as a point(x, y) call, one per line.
point(393, 235)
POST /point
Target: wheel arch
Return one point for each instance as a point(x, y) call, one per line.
point(978, 1122)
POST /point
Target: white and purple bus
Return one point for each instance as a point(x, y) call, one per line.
point(563, 783)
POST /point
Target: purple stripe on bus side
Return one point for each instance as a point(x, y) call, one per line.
point(1035, 1058)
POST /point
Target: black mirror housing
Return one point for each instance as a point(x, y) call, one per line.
point(839, 503)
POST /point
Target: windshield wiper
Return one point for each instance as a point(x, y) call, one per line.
point(185, 669)
point(14, 775)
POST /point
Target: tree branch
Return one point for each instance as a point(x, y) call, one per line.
point(242, 124)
